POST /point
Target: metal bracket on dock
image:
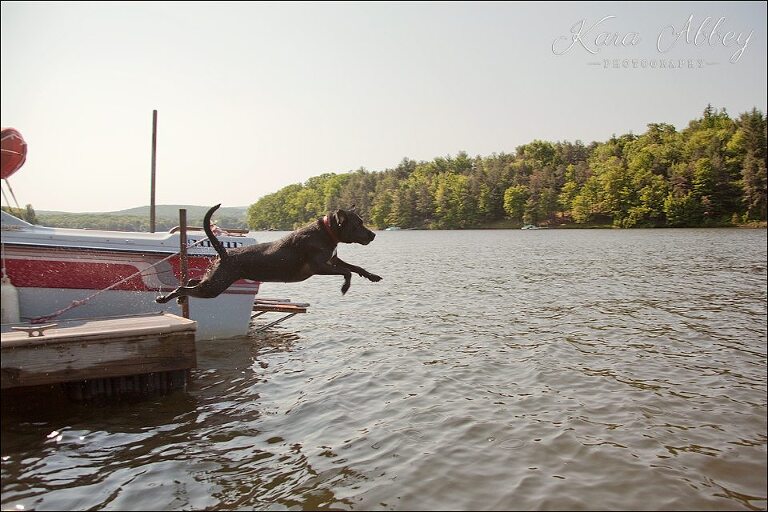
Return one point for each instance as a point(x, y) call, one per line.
point(261, 306)
point(33, 331)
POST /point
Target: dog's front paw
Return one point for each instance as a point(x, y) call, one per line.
point(345, 287)
point(374, 278)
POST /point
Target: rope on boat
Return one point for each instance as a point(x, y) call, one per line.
point(76, 303)
point(12, 194)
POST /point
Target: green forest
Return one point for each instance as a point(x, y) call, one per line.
point(712, 173)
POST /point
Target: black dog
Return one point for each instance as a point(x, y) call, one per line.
point(306, 252)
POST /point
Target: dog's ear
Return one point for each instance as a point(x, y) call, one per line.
point(341, 217)
point(353, 209)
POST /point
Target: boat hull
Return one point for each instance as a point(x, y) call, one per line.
point(226, 316)
point(68, 274)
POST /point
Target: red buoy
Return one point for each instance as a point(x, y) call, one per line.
point(14, 152)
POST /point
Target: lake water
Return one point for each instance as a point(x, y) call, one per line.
point(489, 370)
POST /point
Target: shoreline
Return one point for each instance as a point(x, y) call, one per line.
point(517, 226)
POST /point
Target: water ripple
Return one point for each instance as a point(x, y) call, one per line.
point(545, 370)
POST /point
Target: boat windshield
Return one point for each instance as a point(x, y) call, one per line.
point(10, 220)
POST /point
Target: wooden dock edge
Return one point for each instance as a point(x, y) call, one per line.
point(103, 356)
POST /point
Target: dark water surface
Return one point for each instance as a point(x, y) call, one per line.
point(535, 370)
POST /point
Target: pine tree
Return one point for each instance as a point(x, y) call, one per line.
point(753, 125)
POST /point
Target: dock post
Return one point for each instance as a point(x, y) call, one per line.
point(152, 181)
point(183, 257)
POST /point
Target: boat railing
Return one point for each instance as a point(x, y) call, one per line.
point(228, 231)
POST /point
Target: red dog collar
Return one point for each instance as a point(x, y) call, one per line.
point(327, 226)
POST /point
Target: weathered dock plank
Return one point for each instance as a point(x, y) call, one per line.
point(99, 349)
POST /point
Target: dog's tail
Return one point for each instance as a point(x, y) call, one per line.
point(211, 237)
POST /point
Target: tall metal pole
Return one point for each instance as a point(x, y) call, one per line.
point(152, 186)
point(184, 268)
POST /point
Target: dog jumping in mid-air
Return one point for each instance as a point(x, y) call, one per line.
point(303, 253)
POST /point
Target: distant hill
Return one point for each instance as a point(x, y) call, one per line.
point(172, 211)
point(162, 210)
point(137, 219)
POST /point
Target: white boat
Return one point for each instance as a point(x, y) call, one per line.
point(54, 269)
point(54, 273)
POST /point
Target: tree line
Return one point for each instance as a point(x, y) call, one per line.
point(711, 173)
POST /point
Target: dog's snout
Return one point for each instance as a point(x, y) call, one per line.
point(366, 237)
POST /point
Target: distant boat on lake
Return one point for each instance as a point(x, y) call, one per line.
point(393, 228)
point(530, 226)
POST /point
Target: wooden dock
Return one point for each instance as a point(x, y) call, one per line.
point(105, 357)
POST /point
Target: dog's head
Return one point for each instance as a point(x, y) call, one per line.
point(350, 228)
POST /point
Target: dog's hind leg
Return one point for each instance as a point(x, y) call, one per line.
point(162, 299)
point(207, 289)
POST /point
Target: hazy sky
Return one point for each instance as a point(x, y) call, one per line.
point(252, 97)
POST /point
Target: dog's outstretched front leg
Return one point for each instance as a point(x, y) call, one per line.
point(354, 268)
point(323, 268)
